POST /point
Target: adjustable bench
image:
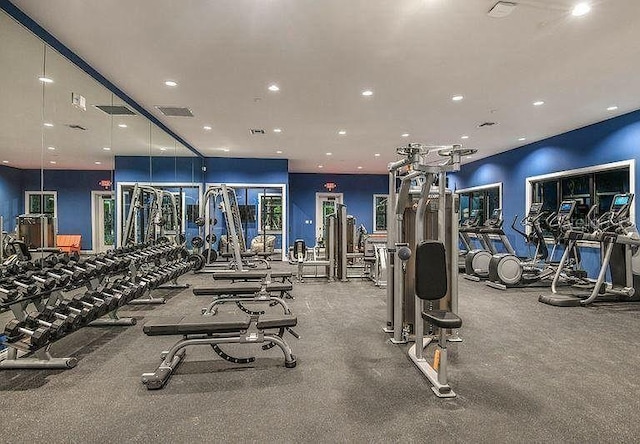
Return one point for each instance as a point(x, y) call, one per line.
point(223, 329)
point(246, 292)
point(246, 257)
point(251, 275)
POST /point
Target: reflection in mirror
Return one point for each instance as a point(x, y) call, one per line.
point(21, 133)
point(76, 176)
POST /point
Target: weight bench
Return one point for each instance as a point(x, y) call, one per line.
point(246, 292)
point(251, 275)
point(227, 329)
point(246, 256)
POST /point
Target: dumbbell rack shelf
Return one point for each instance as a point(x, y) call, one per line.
point(92, 300)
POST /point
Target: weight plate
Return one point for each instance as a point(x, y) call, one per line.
point(197, 242)
point(211, 238)
point(200, 221)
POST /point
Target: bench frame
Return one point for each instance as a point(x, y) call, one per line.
point(174, 356)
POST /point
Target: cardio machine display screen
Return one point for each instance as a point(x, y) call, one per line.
point(621, 201)
point(565, 207)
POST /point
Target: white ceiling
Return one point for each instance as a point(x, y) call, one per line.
point(414, 54)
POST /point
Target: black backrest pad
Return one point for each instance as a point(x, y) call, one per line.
point(431, 270)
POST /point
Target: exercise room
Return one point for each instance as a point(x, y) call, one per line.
point(380, 221)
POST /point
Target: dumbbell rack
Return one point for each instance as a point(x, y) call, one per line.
point(140, 270)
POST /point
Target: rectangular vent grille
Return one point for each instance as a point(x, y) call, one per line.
point(482, 125)
point(174, 111)
point(115, 110)
point(77, 127)
point(257, 131)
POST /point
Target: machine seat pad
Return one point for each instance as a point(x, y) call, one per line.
point(192, 325)
point(247, 254)
point(276, 321)
point(442, 318)
point(243, 288)
point(264, 254)
point(249, 275)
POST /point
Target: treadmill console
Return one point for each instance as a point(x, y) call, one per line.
point(472, 220)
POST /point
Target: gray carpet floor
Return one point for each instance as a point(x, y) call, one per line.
point(525, 372)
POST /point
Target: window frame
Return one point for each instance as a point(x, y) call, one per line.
point(375, 218)
point(28, 194)
point(481, 188)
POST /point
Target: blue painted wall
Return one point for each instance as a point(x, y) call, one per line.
point(12, 196)
point(246, 170)
point(612, 140)
point(357, 189)
point(74, 197)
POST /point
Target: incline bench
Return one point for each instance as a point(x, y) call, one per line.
point(246, 292)
point(223, 329)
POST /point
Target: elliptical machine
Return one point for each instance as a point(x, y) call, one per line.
point(476, 262)
point(508, 270)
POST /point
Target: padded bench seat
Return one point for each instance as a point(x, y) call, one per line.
point(251, 275)
point(243, 289)
point(223, 323)
point(442, 318)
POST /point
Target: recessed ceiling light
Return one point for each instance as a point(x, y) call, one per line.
point(468, 157)
point(51, 148)
point(52, 162)
point(522, 139)
point(367, 93)
point(405, 135)
point(377, 154)
point(44, 79)
point(277, 130)
point(457, 98)
point(5, 161)
point(342, 132)
point(538, 103)
point(359, 167)
point(274, 88)
point(329, 154)
point(279, 152)
point(106, 148)
point(163, 148)
point(464, 137)
point(171, 83)
point(98, 163)
point(206, 128)
point(320, 166)
point(122, 125)
point(581, 9)
point(612, 108)
point(48, 125)
point(226, 150)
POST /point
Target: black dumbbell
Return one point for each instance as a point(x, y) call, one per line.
point(44, 282)
point(87, 314)
point(76, 275)
point(8, 294)
point(37, 338)
point(57, 328)
point(28, 288)
point(61, 279)
point(110, 301)
point(99, 307)
point(73, 320)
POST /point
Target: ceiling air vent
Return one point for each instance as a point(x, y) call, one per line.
point(77, 127)
point(175, 111)
point(482, 125)
point(115, 110)
point(256, 131)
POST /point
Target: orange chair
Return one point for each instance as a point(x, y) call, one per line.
point(69, 243)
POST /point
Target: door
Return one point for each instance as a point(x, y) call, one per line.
point(325, 206)
point(104, 222)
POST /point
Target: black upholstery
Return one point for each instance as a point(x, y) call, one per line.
point(276, 321)
point(431, 270)
point(442, 318)
point(184, 325)
point(221, 323)
point(243, 288)
point(249, 275)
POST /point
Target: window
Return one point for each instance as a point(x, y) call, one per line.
point(587, 186)
point(380, 212)
point(485, 199)
point(270, 213)
point(41, 202)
